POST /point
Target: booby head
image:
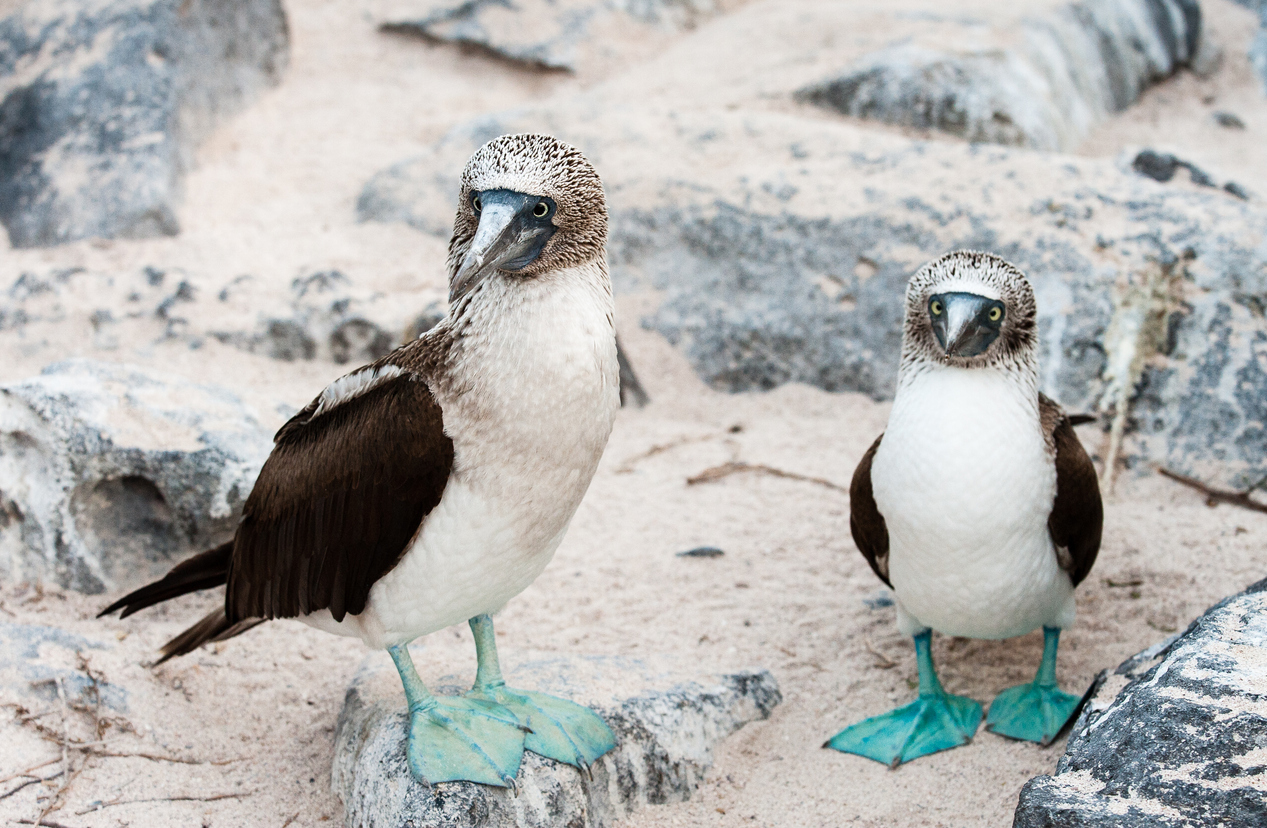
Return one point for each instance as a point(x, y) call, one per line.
point(970, 309)
point(529, 204)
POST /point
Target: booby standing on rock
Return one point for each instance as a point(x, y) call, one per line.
point(977, 505)
point(431, 486)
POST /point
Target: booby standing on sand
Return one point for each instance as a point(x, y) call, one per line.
point(431, 486)
point(977, 505)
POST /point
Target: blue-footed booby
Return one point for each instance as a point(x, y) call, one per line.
point(433, 485)
point(977, 505)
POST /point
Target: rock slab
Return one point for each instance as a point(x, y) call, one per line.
point(1042, 84)
point(1176, 736)
point(110, 473)
point(102, 103)
point(548, 34)
point(666, 730)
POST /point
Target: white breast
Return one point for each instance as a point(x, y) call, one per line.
point(528, 428)
point(965, 483)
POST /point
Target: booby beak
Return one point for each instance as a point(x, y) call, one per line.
point(964, 323)
point(513, 230)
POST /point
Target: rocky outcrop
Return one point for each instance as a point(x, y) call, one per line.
point(550, 34)
point(1176, 736)
point(793, 269)
point(666, 730)
point(102, 103)
point(109, 473)
point(1041, 83)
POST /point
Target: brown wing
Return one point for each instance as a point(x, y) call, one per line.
point(866, 524)
point(1077, 515)
point(338, 502)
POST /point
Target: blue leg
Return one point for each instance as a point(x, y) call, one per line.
point(458, 739)
point(1037, 711)
point(935, 721)
point(561, 730)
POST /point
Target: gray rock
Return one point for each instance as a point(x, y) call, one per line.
point(666, 731)
point(1176, 736)
point(547, 34)
point(109, 473)
point(1041, 85)
point(102, 103)
point(324, 321)
point(1150, 296)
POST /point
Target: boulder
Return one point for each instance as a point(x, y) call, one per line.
point(103, 102)
point(565, 35)
point(109, 474)
point(773, 248)
point(1042, 82)
point(666, 726)
point(1175, 736)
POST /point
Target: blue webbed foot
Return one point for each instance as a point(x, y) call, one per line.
point(560, 729)
point(1031, 712)
point(931, 723)
point(935, 721)
point(459, 739)
point(1038, 711)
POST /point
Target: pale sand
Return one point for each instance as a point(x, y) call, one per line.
point(273, 195)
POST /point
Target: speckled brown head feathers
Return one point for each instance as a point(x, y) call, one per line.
point(537, 165)
point(983, 274)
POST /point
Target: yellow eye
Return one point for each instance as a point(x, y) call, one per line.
point(541, 209)
point(477, 204)
point(935, 307)
point(996, 313)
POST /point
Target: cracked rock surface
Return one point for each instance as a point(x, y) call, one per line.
point(111, 473)
point(666, 727)
point(1175, 736)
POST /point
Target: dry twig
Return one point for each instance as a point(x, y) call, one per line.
point(212, 798)
point(737, 466)
point(1214, 497)
point(628, 465)
point(885, 661)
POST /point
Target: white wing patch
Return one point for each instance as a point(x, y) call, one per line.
point(353, 385)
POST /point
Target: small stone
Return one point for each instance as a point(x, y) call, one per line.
point(1156, 165)
point(1229, 120)
point(702, 552)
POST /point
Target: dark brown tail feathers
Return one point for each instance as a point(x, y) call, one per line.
point(203, 571)
point(215, 626)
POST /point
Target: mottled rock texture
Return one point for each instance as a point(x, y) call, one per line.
point(1176, 736)
point(666, 730)
point(1150, 296)
point(103, 101)
point(320, 314)
point(109, 474)
point(1041, 83)
point(548, 34)
point(34, 667)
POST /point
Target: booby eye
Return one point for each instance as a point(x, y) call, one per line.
point(935, 307)
point(541, 209)
point(476, 204)
point(995, 314)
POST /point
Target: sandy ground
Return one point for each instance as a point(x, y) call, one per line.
point(240, 734)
